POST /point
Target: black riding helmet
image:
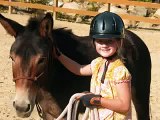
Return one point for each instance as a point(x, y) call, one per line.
point(107, 25)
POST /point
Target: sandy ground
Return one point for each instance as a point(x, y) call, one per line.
point(7, 91)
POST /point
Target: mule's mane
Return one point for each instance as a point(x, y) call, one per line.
point(33, 23)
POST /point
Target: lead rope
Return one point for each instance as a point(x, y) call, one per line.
point(40, 110)
point(71, 113)
point(68, 110)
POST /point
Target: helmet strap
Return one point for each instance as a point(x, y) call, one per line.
point(111, 57)
point(93, 40)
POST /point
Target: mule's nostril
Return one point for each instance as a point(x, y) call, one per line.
point(13, 103)
point(28, 108)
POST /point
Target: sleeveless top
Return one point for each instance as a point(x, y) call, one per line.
point(116, 73)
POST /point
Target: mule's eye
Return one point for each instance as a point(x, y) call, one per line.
point(41, 60)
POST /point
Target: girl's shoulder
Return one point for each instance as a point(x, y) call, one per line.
point(119, 70)
point(117, 65)
point(117, 62)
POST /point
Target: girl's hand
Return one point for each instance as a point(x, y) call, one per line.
point(91, 99)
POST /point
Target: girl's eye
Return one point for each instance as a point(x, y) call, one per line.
point(104, 41)
point(99, 41)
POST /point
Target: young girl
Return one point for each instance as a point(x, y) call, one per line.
point(110, 83)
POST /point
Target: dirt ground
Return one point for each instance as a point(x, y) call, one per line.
point(7, 91)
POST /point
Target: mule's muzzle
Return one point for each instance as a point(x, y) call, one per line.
point(22, 109)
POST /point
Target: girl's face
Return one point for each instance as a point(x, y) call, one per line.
point(106, 47)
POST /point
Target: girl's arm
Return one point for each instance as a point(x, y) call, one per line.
point(74, 67)
point(122, 103)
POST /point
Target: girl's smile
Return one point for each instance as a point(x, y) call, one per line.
point(106, 47)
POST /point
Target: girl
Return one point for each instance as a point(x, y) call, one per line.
point(110, 83)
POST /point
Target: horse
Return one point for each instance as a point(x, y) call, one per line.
point(42, 81)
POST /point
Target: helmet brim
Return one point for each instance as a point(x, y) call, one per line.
point(105, 36)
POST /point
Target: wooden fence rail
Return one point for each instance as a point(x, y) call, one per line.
point(92, 13)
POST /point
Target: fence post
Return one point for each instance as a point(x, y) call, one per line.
point(55, 5)
point(109, 7)
point(10, 8)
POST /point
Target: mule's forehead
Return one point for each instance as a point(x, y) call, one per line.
point(26, 46)
point(26, 54)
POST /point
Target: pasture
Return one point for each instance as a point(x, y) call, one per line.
point(150, 37)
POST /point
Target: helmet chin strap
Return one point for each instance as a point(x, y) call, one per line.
point(111, 57)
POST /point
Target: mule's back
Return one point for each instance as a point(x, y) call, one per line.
point(140, 67)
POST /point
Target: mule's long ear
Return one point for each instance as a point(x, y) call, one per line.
point(46, 25)
point(12, 27)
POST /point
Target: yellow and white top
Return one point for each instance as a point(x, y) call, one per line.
point(116, 73)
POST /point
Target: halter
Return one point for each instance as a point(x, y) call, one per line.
point(33, 79)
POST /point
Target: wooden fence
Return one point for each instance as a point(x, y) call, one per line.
point(91, 13)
